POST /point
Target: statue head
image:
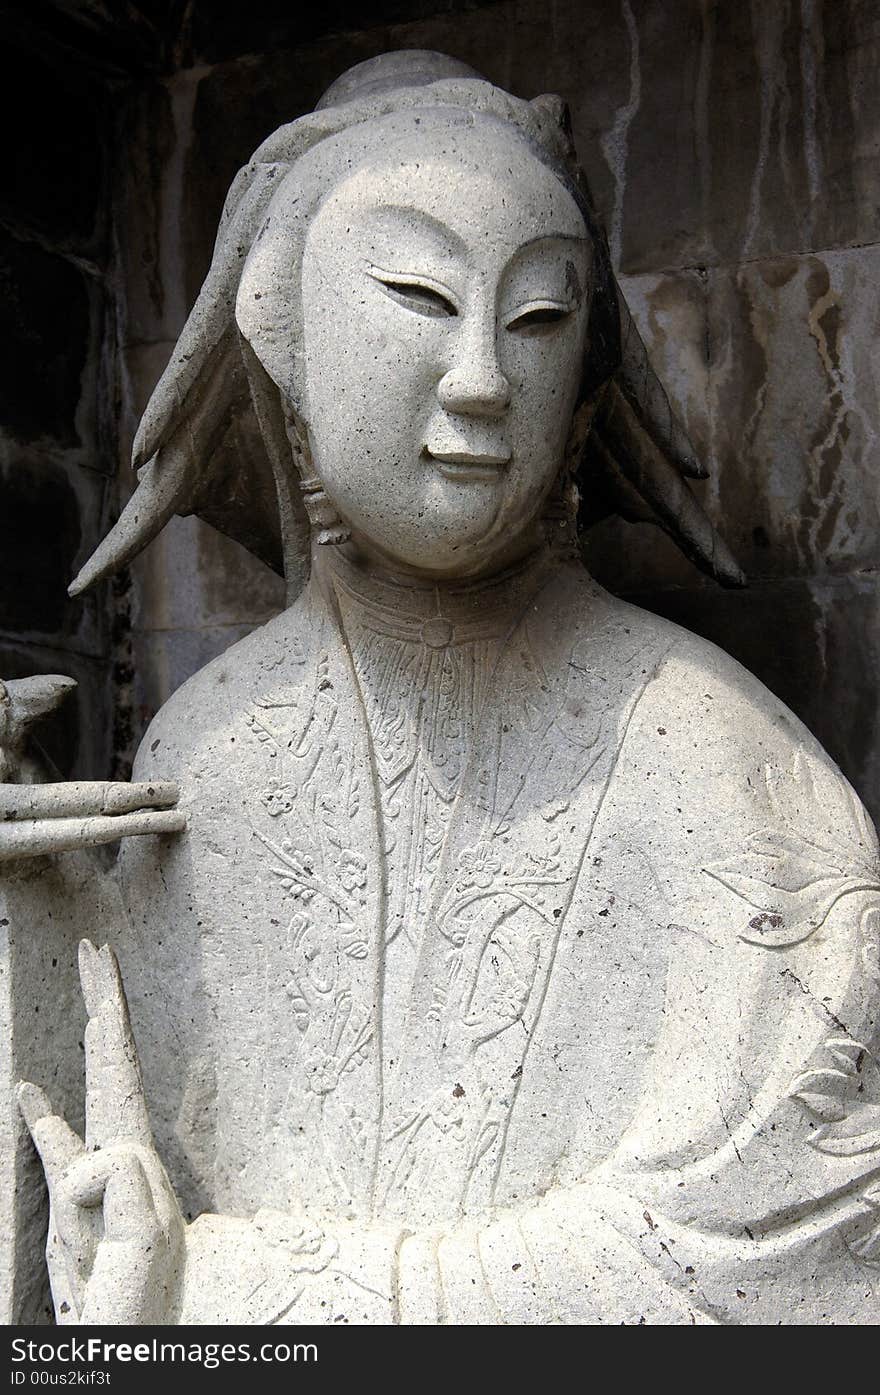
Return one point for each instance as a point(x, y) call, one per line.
point(408, 328)
point(420, 297)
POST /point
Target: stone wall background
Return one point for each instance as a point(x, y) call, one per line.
point(57, 430)
point(733, 149)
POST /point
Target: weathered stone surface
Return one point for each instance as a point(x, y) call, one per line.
point(198, 592)
point(772, 367)
point(671, 312)
point(204, 579)
point(764, 119)
point(795, 403)
point(47, 962)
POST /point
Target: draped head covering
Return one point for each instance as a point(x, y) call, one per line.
point(223, 435)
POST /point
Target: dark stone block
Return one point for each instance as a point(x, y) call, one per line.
point(771, 367)
point(709, 133)
point(229, 31)
point(716, 133)
point(45, 332)
point(146, 311)
point(53, 157)
point(39, 537)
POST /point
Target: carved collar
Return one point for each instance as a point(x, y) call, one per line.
point(440, 615)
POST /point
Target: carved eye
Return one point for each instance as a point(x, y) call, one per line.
point(415, 295)
point(541, 316)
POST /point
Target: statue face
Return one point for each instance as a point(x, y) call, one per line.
point(445, 295)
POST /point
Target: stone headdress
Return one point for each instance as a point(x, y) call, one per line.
point(220, 438)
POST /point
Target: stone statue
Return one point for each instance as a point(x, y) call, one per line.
point(500, 953)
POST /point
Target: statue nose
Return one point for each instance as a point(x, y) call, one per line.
point(475, 384)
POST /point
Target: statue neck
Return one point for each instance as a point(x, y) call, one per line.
point(436, 613)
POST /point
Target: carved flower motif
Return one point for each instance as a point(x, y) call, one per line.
point(277, 799)
point(447, 1112)
point(480, 866)
point(296, 873)
point(352, 941)
point(793, 881)
point(321, 1072)
point(299, 892)
point(353, 870)
point(298, 926)
point(308, 1247)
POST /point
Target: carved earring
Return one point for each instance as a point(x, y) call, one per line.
point(329, 529)
point(326, 523)
point(559, 515)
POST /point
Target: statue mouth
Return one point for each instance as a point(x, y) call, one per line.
point(468, 465)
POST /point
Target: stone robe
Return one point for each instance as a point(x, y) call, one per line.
point(624, 1070)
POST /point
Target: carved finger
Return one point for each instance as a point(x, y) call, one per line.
point(84, 798)
point(115, 1179)
point(129, 1209)
point(73, 1234)
point(55, 1141)
point(115, 1105)
point(123, 1289)
point(85, 1180)
point(42, 837)
point(138, 1266)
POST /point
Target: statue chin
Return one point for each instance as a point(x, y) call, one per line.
point(491, 953)
point(458, 555)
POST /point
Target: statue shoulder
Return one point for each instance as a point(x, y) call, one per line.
point(717, 736)
point(218, 694)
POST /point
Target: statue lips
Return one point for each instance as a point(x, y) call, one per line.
point(461, 465)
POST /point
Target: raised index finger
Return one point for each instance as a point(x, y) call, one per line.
point(115, 1105)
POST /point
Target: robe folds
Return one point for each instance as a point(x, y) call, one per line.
point(635, 1078)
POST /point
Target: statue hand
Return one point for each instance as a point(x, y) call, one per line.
point(116, 1244)
point(37, 817)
